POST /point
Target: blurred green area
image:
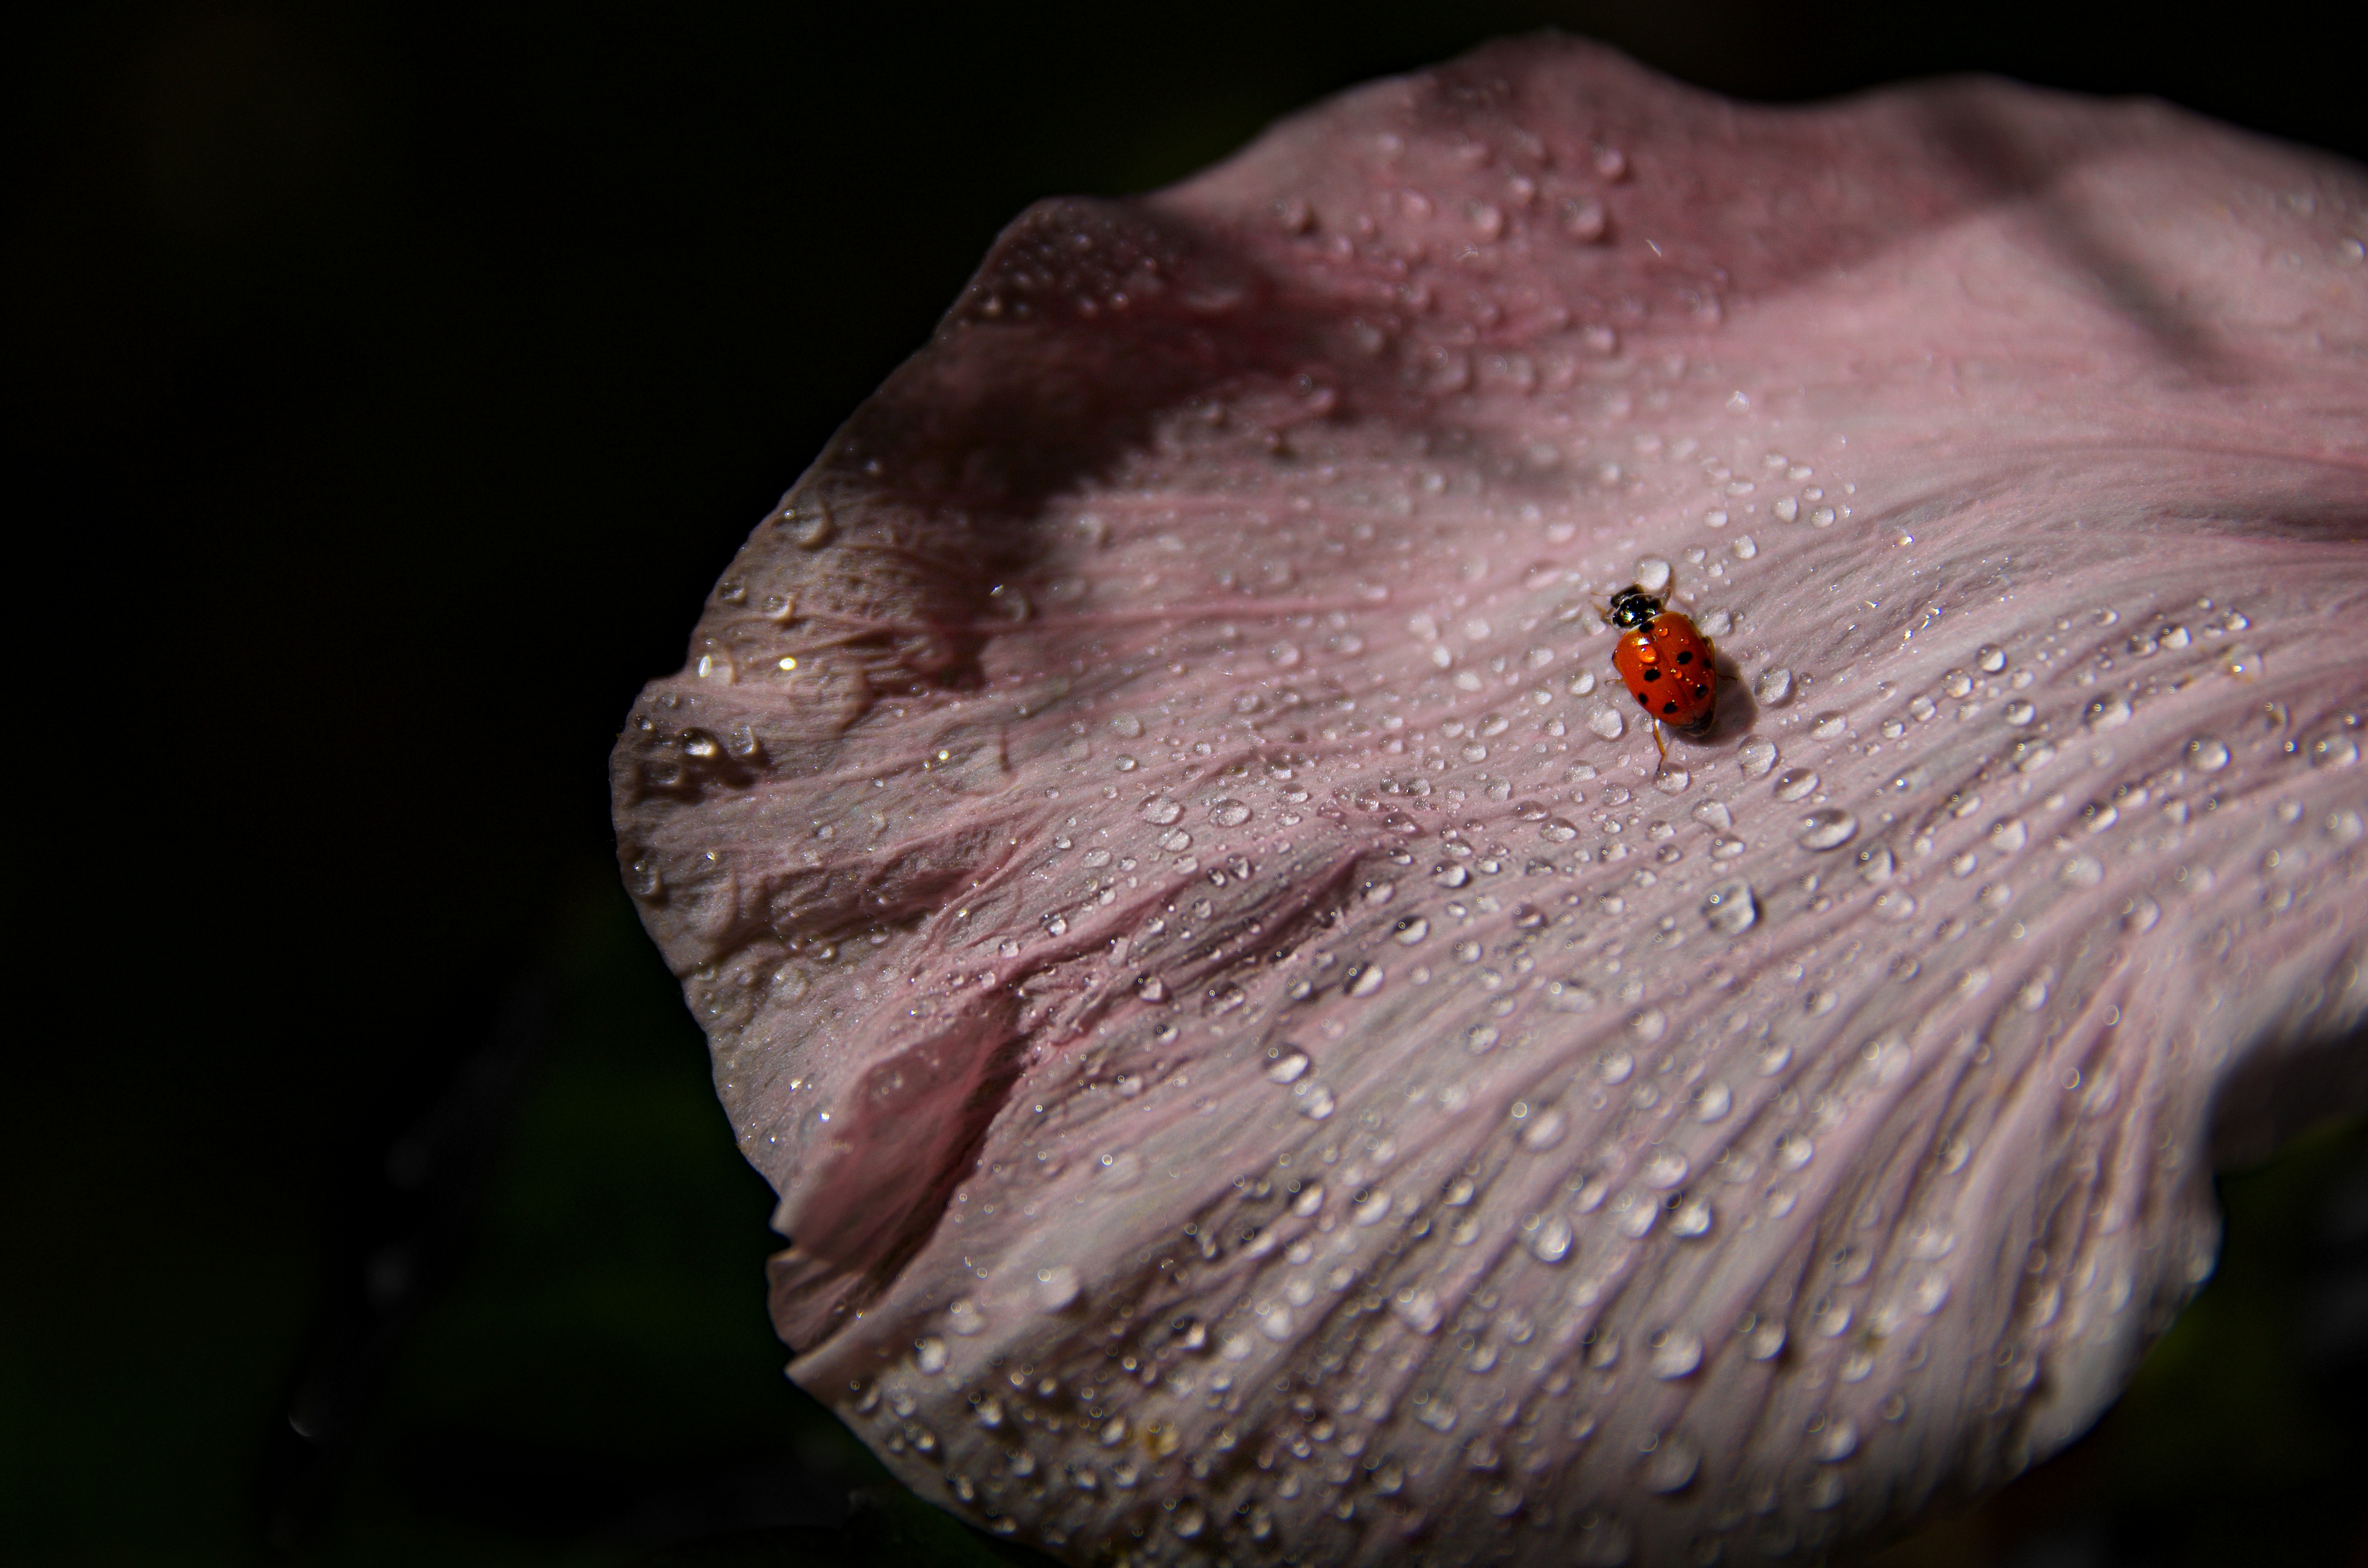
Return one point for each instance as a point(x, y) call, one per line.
point(393, 384)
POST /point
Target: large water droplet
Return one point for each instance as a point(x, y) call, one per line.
point(1794, 1152)
point(1691, 1217)
point(1543, 1128)
point(1794, 783)
point(1677, 1354)
point(1828, 828)
point(1730, 907)
point(1653, 573)
point(1056, 1288)
point(1664, 1168)
point(1288, 1068)
point(1670, 1466)
point(1757, 755)
point(2107, 712)
point(2207, 755)
point(1419, 1309)
point(1606, 723)
point(1550, 1242)
point(1229, 813)
point(1161, 809)
point(1712, 1101)
point(930, 1354)
point(1774, 688)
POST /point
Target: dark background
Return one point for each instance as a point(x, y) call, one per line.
point(389, 387)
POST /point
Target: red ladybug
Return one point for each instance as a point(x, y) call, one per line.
point(1666, 662)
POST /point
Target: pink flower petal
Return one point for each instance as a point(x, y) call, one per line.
point(1259, 1059)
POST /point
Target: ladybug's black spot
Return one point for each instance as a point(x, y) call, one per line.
point(1668, 707)
point(1643, 698)
point(1686, 656)
point(1652, 675)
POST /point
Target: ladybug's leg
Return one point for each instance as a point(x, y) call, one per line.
point(1658, 744)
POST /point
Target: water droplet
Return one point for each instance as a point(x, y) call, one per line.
point(811, 528)
point(1606, 723)
point(2019, 712)
point(2008, 835)
point(1151, 988)
point(1828, 828)
point(1419, 1309)
point(1794, 783)
point(1757, 755)
point(1288, 1068)
point(1765, 1342)
point(1774, 688)
point(1691, 1217)
point(1649, 1025)
point(1633, 1215)
point(1794, 1152)
point(1161, 809)
point(1677, 1356)
point(1730, 907)
point(1664, 1169)
point(1581, 683)
point(1653, 573)
point(930, 1354)
point(2338, 750)
point(1616, 1067)
point(1187, 1520)
point(1368, 981)
point(1991, 659)
point(1544, 1129)
point(1229, 813)
point(1837, 1442)
point(1670, 1466)
point(1412, 930)
point(1712, 1101)
point(964, 1318)
point(2083, 871)
point(1056, 1288)
point(1550, 1242)
point(1745, 546)
point(2108, 711)
point(2207, 755)
point(1312, 1101)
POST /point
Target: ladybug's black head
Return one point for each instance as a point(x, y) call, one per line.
point(1633, 606)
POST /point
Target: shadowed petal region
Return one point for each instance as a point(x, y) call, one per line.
point(1262, 1059)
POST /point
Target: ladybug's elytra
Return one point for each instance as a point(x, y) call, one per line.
point(1666, 662)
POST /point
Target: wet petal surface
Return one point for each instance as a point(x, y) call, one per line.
point(1260, 1057)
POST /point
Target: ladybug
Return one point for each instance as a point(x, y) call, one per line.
point(1666, 662)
